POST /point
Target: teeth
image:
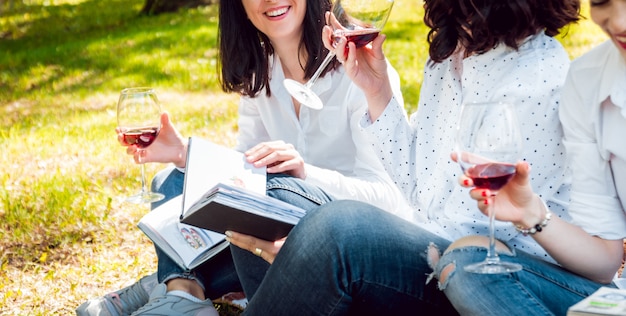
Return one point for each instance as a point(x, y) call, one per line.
point(276, 12)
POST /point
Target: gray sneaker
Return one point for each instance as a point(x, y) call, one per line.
point(172, 304)
point(122, 302)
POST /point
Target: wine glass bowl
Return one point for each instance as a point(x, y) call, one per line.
point(140, 137)
point(488, 146)
point(139, 122)
point(360, 21)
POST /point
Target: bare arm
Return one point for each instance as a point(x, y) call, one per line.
point(590, 256)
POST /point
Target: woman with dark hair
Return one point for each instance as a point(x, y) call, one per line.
point(312, 156)
point(590, 249)
point(351, 258)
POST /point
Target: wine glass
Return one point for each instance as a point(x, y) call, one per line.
point(488, 145)
point(360, 21)
point(139, 121)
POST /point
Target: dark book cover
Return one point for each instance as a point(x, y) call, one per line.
point(231, 208)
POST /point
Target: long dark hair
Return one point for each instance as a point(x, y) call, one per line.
point(479, 25)
point(244, 51)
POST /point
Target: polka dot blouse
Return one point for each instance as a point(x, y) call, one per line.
point(416, 152)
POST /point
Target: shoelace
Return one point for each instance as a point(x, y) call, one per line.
point(129, 300)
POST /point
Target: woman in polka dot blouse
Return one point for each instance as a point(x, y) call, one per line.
point(348, 257)
point(590, 249)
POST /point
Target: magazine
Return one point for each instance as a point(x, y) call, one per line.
point(605, 301)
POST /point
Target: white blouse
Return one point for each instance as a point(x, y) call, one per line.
point(417, 153)
point(593, 114)
point(338, 158)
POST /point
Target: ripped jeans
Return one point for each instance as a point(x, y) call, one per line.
point(541, 288)
point(351, 258)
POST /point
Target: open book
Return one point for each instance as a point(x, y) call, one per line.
point(207, 165)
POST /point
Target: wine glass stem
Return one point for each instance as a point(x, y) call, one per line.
point(492, 256)
point(144, 187)
point(319, 70)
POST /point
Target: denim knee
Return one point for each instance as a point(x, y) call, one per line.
point(456, 258)
point(296, 191)
point(169, 182)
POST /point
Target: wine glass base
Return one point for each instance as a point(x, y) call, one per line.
point(147, 197)
point(303, 94)
point(486, 267)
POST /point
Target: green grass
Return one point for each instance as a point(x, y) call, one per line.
point(65, 232)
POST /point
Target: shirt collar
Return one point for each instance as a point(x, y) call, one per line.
point(614, 82)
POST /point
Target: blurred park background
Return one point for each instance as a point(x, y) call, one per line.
point(65, 232)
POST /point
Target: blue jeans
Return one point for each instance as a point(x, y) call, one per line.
point(251, 269)
point(218, 276)
point(541, 288)
point(351, 258)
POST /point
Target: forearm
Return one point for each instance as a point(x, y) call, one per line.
point(592, 257)
point(378, 100)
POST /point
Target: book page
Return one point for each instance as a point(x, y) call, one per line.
point(209, 164)
point(184, 243)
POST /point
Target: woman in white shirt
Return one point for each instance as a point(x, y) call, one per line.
point(321, 151)
point(589, 249)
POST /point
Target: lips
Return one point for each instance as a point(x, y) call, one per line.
point(277, 12)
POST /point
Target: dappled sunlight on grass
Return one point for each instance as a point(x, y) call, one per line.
point(98, 45)
point(66, 232)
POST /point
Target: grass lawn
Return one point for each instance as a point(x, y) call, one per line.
point(65, 232)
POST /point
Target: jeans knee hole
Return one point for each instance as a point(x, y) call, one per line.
point(446, 273)
point(433, 255)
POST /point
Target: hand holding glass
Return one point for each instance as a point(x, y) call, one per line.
point(139, 121)
point(360, 21)
point(488, 146)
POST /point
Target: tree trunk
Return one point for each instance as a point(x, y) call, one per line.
point(154, 7)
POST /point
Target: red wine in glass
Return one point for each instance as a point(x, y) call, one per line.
point(141, 137)
point(139, 121)
point(360, 37)
point(360, 21)
point(492, 176)
point(488, 146)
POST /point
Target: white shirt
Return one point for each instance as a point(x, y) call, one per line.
point(339, 159)
point(593, 114)
point(417, 154)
